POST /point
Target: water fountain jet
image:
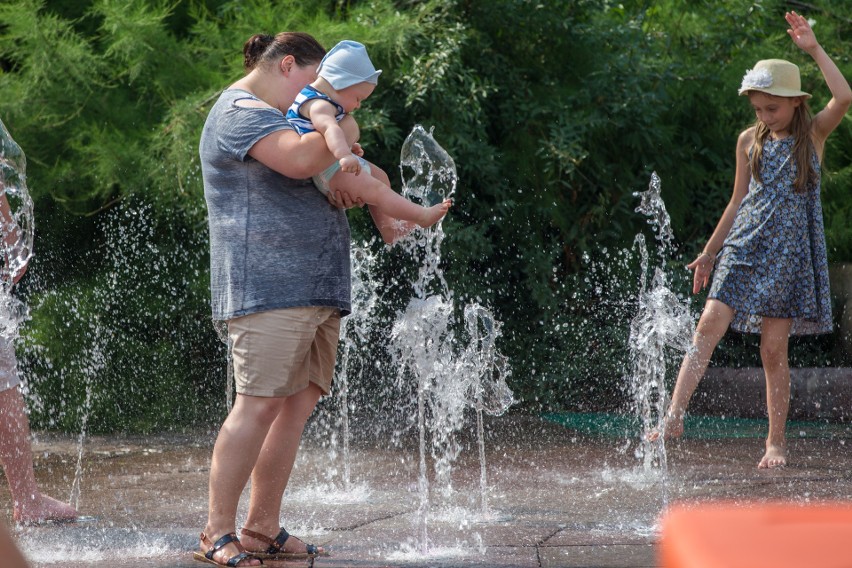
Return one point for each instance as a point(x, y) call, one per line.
point(662, 324)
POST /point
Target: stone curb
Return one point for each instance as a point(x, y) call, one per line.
point(816, 393)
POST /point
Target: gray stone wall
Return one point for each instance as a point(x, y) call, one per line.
point(840, 281)
point(815, 393)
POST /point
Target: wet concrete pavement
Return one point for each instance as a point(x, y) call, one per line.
point(556, 498)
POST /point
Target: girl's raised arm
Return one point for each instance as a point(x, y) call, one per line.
point(828, 118)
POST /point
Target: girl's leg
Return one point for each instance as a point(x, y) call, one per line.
point(29, 504)
point(373, 192)
point(774, 341)
point(712, 325)
point(274, 465)
point(235, 454)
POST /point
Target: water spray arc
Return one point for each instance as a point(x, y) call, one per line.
point(662, 323)
point(453, 373)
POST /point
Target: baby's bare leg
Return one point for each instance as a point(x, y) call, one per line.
point(373, 192)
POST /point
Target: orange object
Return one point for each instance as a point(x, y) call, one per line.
point(757, 535)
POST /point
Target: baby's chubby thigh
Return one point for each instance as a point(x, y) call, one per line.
point(367, 186)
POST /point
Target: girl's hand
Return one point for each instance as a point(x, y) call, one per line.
point(357, 149)
point(703, 267)
point(800, 32)
point(350, 164)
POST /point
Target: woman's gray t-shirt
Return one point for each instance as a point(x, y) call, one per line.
point(275, 242)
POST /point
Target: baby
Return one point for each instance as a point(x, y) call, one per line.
point(346, 77)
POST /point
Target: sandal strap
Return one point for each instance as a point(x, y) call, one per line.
point(275, 545)
point(224, 541)
point(234, 560)
point(282, 537)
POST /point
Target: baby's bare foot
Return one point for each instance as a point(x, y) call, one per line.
point(435, 213)
point(775, 456)
point(43, 508)
point(672, 427)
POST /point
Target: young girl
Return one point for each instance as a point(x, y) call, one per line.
point(346, 77)
point(769, 246)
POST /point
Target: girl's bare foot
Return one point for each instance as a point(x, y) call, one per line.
point(43, 508)
point(775, 456)
point(672, 427)
point(432, 215)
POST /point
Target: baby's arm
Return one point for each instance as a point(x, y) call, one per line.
point(322, 115)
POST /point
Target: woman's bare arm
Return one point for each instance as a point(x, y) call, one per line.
point(299, 157)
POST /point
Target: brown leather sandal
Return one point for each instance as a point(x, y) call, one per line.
point(276, 546)
point(218, 545)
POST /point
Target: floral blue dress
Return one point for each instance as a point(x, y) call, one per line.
point(773, 262)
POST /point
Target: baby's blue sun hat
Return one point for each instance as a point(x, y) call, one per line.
point(348, 64)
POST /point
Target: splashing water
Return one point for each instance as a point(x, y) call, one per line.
point(105, 334)
point(16, 231)
point(428, 177)
point(652, 206)
point(451, 376)
point(354, 333)
point(487, 370)
point(661, 325)
point(428, 171)
point(221, 329)
point(420, 339)
point(16, 234)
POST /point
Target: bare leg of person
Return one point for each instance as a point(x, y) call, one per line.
point(235, 454)
point(12, 557)
point(373, 192)
point(30, 505)
point(272, 471)
point(390, 228)
point(712, 325)
point(774, 342)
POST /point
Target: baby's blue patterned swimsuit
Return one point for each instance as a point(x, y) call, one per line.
point(773, 262)
point(303, 125)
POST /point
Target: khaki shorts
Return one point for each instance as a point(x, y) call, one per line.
point(279, 352)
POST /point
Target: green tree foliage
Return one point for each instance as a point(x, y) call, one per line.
point(555, 112)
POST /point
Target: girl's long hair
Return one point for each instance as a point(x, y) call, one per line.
point(803, 148)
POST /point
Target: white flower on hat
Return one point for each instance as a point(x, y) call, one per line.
point(756, 78)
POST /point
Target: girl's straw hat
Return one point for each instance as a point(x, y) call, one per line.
point(774, 77)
